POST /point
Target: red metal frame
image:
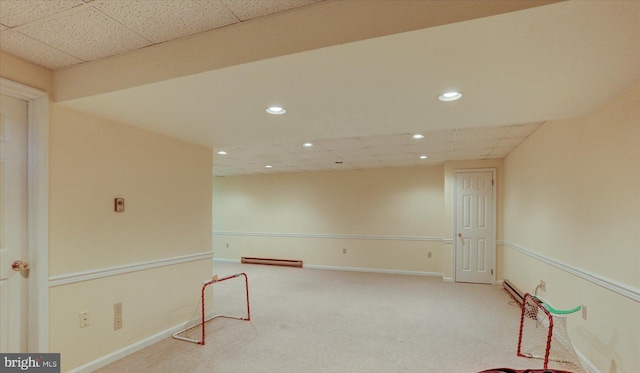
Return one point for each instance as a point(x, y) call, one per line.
point(549, 334)
point(204, 286)
point(203, 318)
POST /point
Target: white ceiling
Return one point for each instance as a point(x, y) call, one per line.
point(63, 33)
point(399, 150)
point(359, 102)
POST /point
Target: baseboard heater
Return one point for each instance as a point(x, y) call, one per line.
point(272, 262)
point(515, 293)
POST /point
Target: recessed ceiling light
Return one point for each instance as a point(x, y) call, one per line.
point(417, 136)
point(277, 110)
point(222, 152)
point(268, 166)
point(450, 96)
point(423, 157)
point(307, 145)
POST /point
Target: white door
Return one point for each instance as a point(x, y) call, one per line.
point(13, 223)
point(474, 239)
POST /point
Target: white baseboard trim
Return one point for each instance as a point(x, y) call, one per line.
point(71, 278)
point(126, 351)
point(373, 270)
point(586, 363)
point(609, 284)
point(447, 279)
point(223, 260)
point(499, 282)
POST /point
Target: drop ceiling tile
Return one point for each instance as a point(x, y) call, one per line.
point(522, 130)
point(86, 34)
point(335, 144)
point(222, 160)
point(364, 165)
point(19, 45)
point(280, 157)
point(404, 163)
point(290, 159)
point(510, 142)
point(383, 141)
point(478, 144)
point(476, 134)
point(357, 152)
point(248, 9)
point(373, 152)
point(432, 160)
point(261, 149)
point(396, 157)
point(299, 149)
point(437, 136)
point(159, 21)
point(501, 152)
point(469, 154)
point(320, 155)
point(360, 158)
point(391, 150)
point(16, 13)
point(431, 147)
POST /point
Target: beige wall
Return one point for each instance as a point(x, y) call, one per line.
point(414, 201)
point(166, 184)
point(167, 187)
point(163, 181)
point(401, 203)
point(572, 194)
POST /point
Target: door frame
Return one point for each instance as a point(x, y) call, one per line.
point(494, 174)
point(37, 210)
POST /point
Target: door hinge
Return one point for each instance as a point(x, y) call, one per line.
point(491, 182)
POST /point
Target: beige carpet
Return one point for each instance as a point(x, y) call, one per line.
point(305, 320)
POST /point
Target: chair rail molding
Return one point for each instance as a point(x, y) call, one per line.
point(607, 283)
point(71, 278)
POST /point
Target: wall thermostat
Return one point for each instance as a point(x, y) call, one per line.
point(119, 204)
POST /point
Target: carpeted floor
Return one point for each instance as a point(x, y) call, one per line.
point(305, 320)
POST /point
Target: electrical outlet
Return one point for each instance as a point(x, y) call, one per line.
point(584, 312)
point(543, 285)
point(344, 251)
point(117, 316)
point(84, 319)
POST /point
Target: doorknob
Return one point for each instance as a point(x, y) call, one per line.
point(19, 265)
point(460, 236)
